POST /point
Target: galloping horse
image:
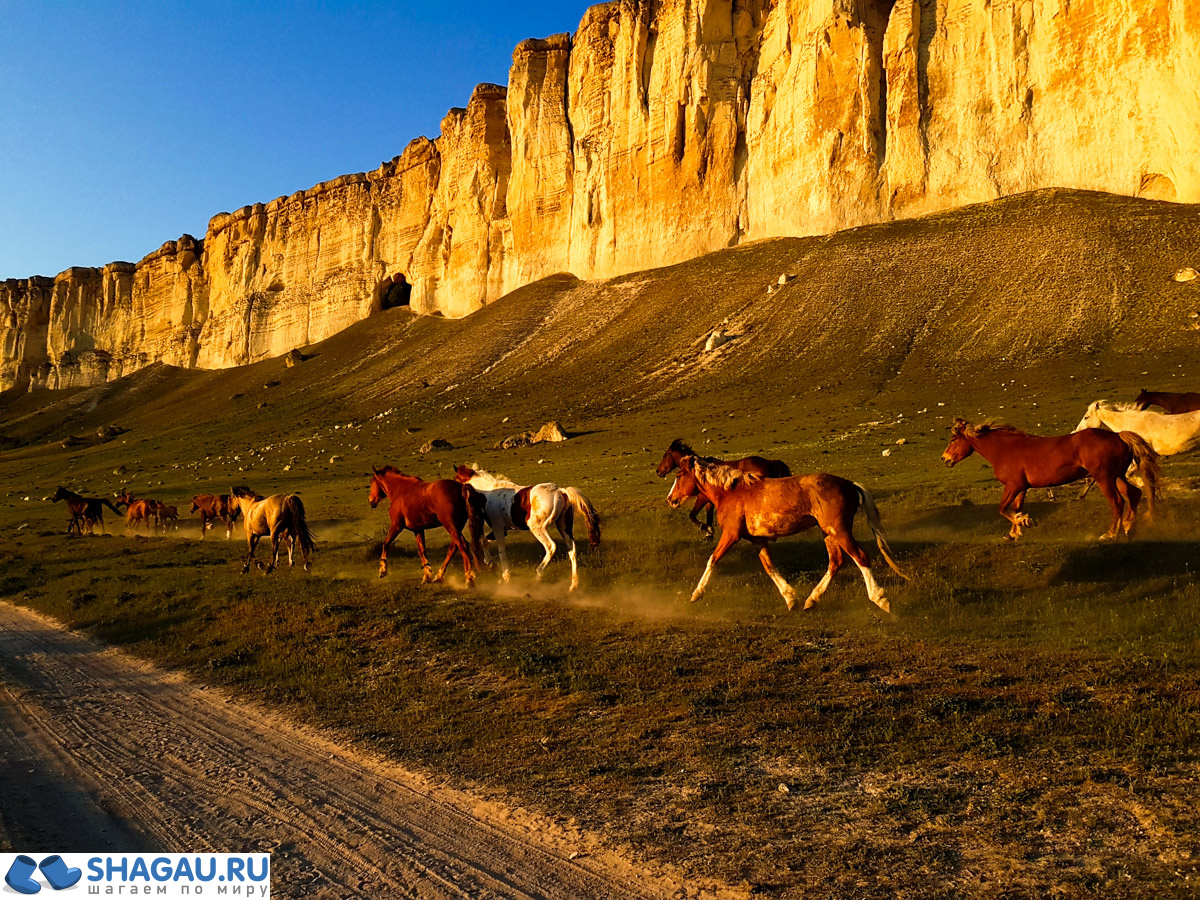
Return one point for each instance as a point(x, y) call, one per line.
point(755, 465)
point(1173, 403)
point(761, 510)
point(137, 511)
point(534, 509)
point(164, 514)
point(277, 515)
point(213, 507)
point(417, 505)
point(1022, 461)
point(85, 511)
point(1167, 434)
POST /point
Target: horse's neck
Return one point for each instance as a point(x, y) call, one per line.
point(485, 481)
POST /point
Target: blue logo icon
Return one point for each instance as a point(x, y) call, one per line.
point(56, 871)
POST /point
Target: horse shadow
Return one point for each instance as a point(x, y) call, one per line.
point(1116, 563)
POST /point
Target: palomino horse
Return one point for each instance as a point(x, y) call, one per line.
point(277, 516)
point(213, 507)
point(1022, 461)
point(416, 504)
point(761, 510)
point(1173, 403)
point(138, 511)
point(755, 465)
point(85, 511)
point(534, 509)
point(1167, 434)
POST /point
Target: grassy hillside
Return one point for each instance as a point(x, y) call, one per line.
point(1029, 718)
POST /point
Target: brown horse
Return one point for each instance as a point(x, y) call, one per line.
point(1173, 403)
point(137, 511)
point(280, 515)
point(164, 515)
point(1022, 461)
point(85, 511)
point(214, 507)
point(761, 510)
point(754, 465)
point(417, 505)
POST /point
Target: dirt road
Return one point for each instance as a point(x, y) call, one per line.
point(100, 751)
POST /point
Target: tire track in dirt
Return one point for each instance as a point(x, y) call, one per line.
point(138, 758)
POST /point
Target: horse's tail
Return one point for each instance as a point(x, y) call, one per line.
point(110, 506)
point(872, 512)
point(1147, 462)
point(584, 507)
point(476, 510)
point(299, 524)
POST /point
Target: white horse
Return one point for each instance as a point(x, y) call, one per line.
point(1168, 435)
point(513, 507)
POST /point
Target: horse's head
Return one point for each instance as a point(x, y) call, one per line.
point(670, 460)
point(463, 474)
point(61, 494)
point(1091, 418)
point(378, 488)
point(1142, 400)
point(666, 464)
point(195, 505)
point(959, 447)
point(682, 488)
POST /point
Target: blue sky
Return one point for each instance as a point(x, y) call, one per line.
point(125, 125)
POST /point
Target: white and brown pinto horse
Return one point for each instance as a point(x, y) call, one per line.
point(760, 510)
point(512, 507)
point(280, 515)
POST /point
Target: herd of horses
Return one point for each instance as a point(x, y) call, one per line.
point(754, 499)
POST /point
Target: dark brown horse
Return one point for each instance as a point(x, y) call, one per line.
point(86, 512)
point(1173, 403)
point(760, 510)
point(417, 505)
point(754, 465)
point(1022, 461)
point(214, 507)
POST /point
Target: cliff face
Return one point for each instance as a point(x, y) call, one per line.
point(661, 130)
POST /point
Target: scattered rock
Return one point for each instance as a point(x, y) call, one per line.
point(1187, 274)
point(120, 470)
point(901, 442)
point(786, 279)
point(293, 358)
point(334, 458)
point(436, 444)
point(887, 452)
point(550, 432)
point(717, 338)
point(108, 432)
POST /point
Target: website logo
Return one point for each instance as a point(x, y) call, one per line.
point(20, 874)
point(170, 875)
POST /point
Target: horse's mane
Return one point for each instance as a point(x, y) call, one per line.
point(490, 482)
point(1119, 406)
point(244, 491)
point(679, 445)
point(962, 426)
point(723, 476)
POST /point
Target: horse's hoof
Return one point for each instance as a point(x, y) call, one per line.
point(383, 573)
point(696, 597)
point(245, 570)
point(270, 569)
point(507, 576)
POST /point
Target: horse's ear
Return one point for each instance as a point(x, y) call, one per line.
point(959, 424)
point(374, 470)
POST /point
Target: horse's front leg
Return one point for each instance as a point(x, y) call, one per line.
point(789, 595)
point(1011, 491)
point(729, 537)
point(426, 569)
point(703, 503)
point(251, 543)
point(394, 530)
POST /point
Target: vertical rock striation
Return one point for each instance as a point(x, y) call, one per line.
point(660, 130)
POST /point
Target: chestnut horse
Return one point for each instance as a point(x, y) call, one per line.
point(1173, 403)
point(277, 516)
point(85, 511)
point(417, 505)
point(1022, 461)
point(761, 510)
point(755, 465)
point(213, 507)
point(164, 514)
point(510, 507)
point(137, 511)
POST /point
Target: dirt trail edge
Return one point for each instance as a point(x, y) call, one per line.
point(139, 758)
